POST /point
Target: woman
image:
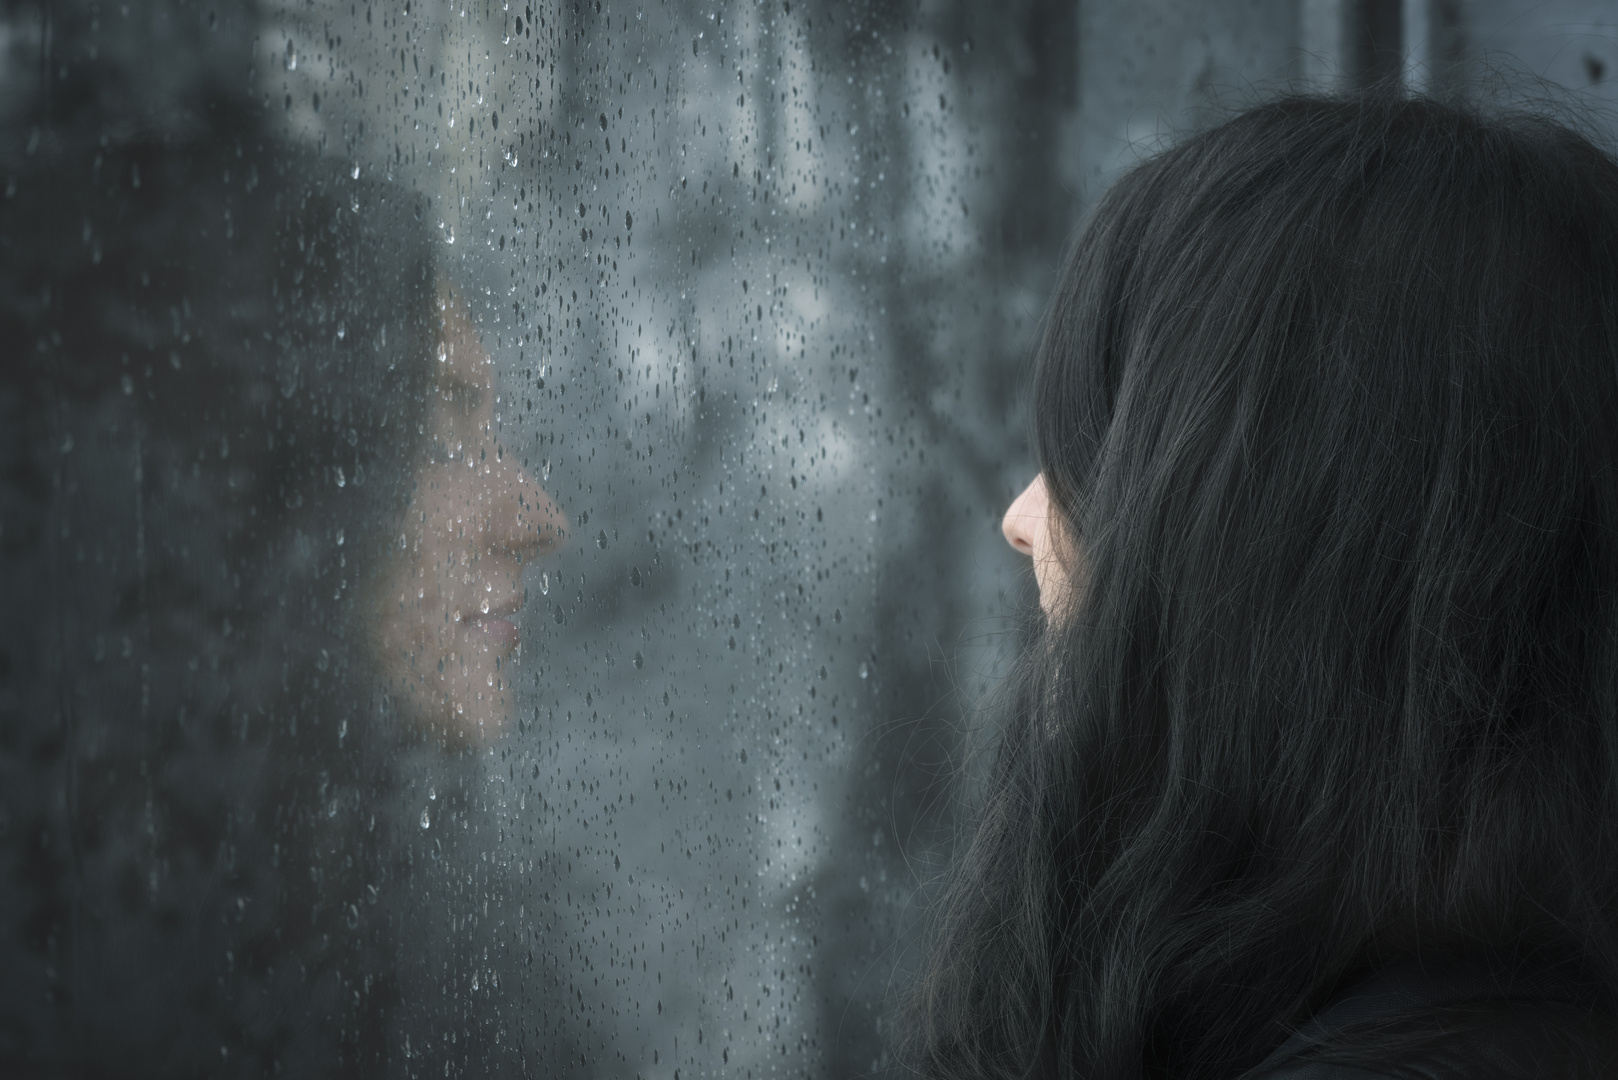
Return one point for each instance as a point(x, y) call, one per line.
point(1317, 760)
point(448, 602)
point(261, 540)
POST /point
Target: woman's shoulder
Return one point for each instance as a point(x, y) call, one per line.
point(1457, 1020)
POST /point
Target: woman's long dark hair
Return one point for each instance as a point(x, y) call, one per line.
point(1327, 402)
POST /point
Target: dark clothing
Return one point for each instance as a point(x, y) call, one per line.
point(1456, 1021)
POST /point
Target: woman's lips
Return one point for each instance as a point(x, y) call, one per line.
point(501, 631)
point(496, 621)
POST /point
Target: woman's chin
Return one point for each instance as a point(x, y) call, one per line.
point(481, 722)
point(468, 705)
point(479, 695)
point(467, 715)
point(455, 686)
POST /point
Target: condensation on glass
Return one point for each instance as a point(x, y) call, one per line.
point(501, 509)
point(497, 479)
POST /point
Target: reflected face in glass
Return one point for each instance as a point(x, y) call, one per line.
point(453, 593)
point(1028, 527)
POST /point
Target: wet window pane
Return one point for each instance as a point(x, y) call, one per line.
point(501, 503)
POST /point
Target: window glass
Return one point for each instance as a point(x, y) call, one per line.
point(503, 488)
point(712, 260)
point(501, 509)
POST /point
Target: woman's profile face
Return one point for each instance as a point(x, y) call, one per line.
point(454, 589)
point(1028, 528)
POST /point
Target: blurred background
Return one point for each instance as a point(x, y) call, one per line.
point(753, 289)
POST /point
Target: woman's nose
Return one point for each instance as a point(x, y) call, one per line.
point(541, 525)
point(524, 519)
point(1025, 517)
